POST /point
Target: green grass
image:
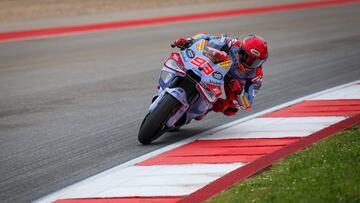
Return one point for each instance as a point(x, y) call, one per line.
point(328, 171)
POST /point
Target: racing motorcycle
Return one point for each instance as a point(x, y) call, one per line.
point(190, 83)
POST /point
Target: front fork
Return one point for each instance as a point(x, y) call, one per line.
point(184, 90)
point(180, 95)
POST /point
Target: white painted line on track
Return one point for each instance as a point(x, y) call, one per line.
point(166, 180)
point(351, 92)
point(275, 127)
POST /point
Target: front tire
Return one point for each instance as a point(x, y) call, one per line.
point(154, 123)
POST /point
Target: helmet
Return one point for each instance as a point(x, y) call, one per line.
point(253, 51)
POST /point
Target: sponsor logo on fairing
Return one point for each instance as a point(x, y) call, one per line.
point(217, 91)
point(201, 45)
point(190, 53)
point(215, 82)
point(175, 56)
point(217, 75)
point(225, 65)
point(183, 56)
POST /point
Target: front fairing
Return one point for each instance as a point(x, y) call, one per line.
point(193, 58)
point(212, 78)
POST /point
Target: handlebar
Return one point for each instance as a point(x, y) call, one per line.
point(181, 47)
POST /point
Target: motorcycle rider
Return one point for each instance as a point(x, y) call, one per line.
point(245, 74)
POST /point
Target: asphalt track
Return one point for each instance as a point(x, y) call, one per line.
point(70, 106)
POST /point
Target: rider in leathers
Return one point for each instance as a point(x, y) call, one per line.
point(245, 75)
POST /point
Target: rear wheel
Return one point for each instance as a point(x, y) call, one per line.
point(154, 123)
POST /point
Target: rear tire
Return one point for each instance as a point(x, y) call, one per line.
point(154, 123)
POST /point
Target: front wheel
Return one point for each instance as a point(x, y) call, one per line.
point(154, 123)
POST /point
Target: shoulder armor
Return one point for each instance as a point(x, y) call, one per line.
point(234, 42)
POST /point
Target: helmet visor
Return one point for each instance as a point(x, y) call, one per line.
point(250, 61)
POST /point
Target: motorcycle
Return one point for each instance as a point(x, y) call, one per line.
point(190, 83)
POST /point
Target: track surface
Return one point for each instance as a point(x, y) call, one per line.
point(71, 106)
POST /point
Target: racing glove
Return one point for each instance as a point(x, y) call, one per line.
point(221, 56)
point(236, 86)
point(182, 43)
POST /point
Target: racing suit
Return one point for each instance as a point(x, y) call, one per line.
point(241, 84)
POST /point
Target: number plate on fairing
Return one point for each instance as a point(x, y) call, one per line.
point(209, 72)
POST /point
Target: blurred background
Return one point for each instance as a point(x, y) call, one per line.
point(24, 10)
point(71, 105)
